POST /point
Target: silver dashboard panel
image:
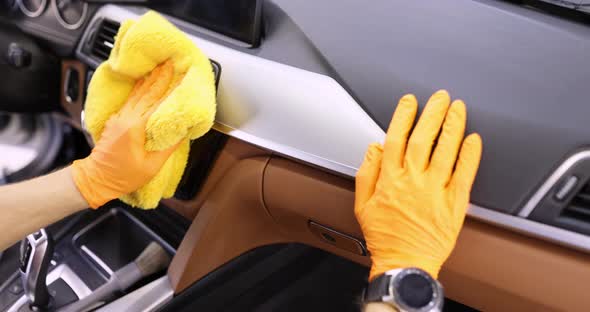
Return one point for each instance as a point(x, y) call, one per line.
point(306, 116)
point(294, 112)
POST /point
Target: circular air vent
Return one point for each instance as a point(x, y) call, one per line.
point(32, 8)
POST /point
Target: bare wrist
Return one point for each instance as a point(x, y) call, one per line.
point(78, 199)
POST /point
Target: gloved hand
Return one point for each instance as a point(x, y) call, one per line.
point(411, 206)
point(119, 163)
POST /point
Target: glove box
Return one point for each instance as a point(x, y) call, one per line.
point(316, 206)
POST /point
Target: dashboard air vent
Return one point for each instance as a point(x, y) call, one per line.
point(104, 39)
point(578, 208)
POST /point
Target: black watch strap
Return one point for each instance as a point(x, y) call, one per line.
point(377, 288)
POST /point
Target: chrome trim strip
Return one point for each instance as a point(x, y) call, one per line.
point(145, 299)
point(279, 107)
point(551, 181)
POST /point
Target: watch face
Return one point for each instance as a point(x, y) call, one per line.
point(415, 290)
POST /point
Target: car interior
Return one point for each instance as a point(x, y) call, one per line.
point(263, 217)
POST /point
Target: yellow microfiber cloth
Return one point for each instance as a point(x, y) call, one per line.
point(187, 111)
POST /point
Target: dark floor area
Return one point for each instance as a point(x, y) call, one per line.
point(282, 278)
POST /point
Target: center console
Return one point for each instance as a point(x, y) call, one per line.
point(89, 250)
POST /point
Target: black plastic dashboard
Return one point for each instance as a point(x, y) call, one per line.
point(522, 73)
point(237, 19)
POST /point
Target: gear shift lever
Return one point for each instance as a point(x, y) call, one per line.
point(36, 252)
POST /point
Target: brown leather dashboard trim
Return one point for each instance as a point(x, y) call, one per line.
point(261, 200)
point(295, 194)
point(233, 151)
point(231, 221)
point(493, 269)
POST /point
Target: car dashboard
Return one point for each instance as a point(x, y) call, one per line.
point(305, 88)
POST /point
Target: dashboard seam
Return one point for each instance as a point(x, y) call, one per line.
point(262, 182)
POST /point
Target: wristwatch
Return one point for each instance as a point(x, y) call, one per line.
point(408, 290)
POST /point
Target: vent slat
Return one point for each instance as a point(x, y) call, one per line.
point(578, 208)
point(102, 54)
point(575, 215)
point(585, 189)
point(110, 26)
point(104, 39)
point(583, 197)
point(103, 45)
point(110, 30)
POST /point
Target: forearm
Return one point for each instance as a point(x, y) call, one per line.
point(378, 307)
point(28, 206)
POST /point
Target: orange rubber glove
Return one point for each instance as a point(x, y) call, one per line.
point(410, 206)
point(119, 163)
